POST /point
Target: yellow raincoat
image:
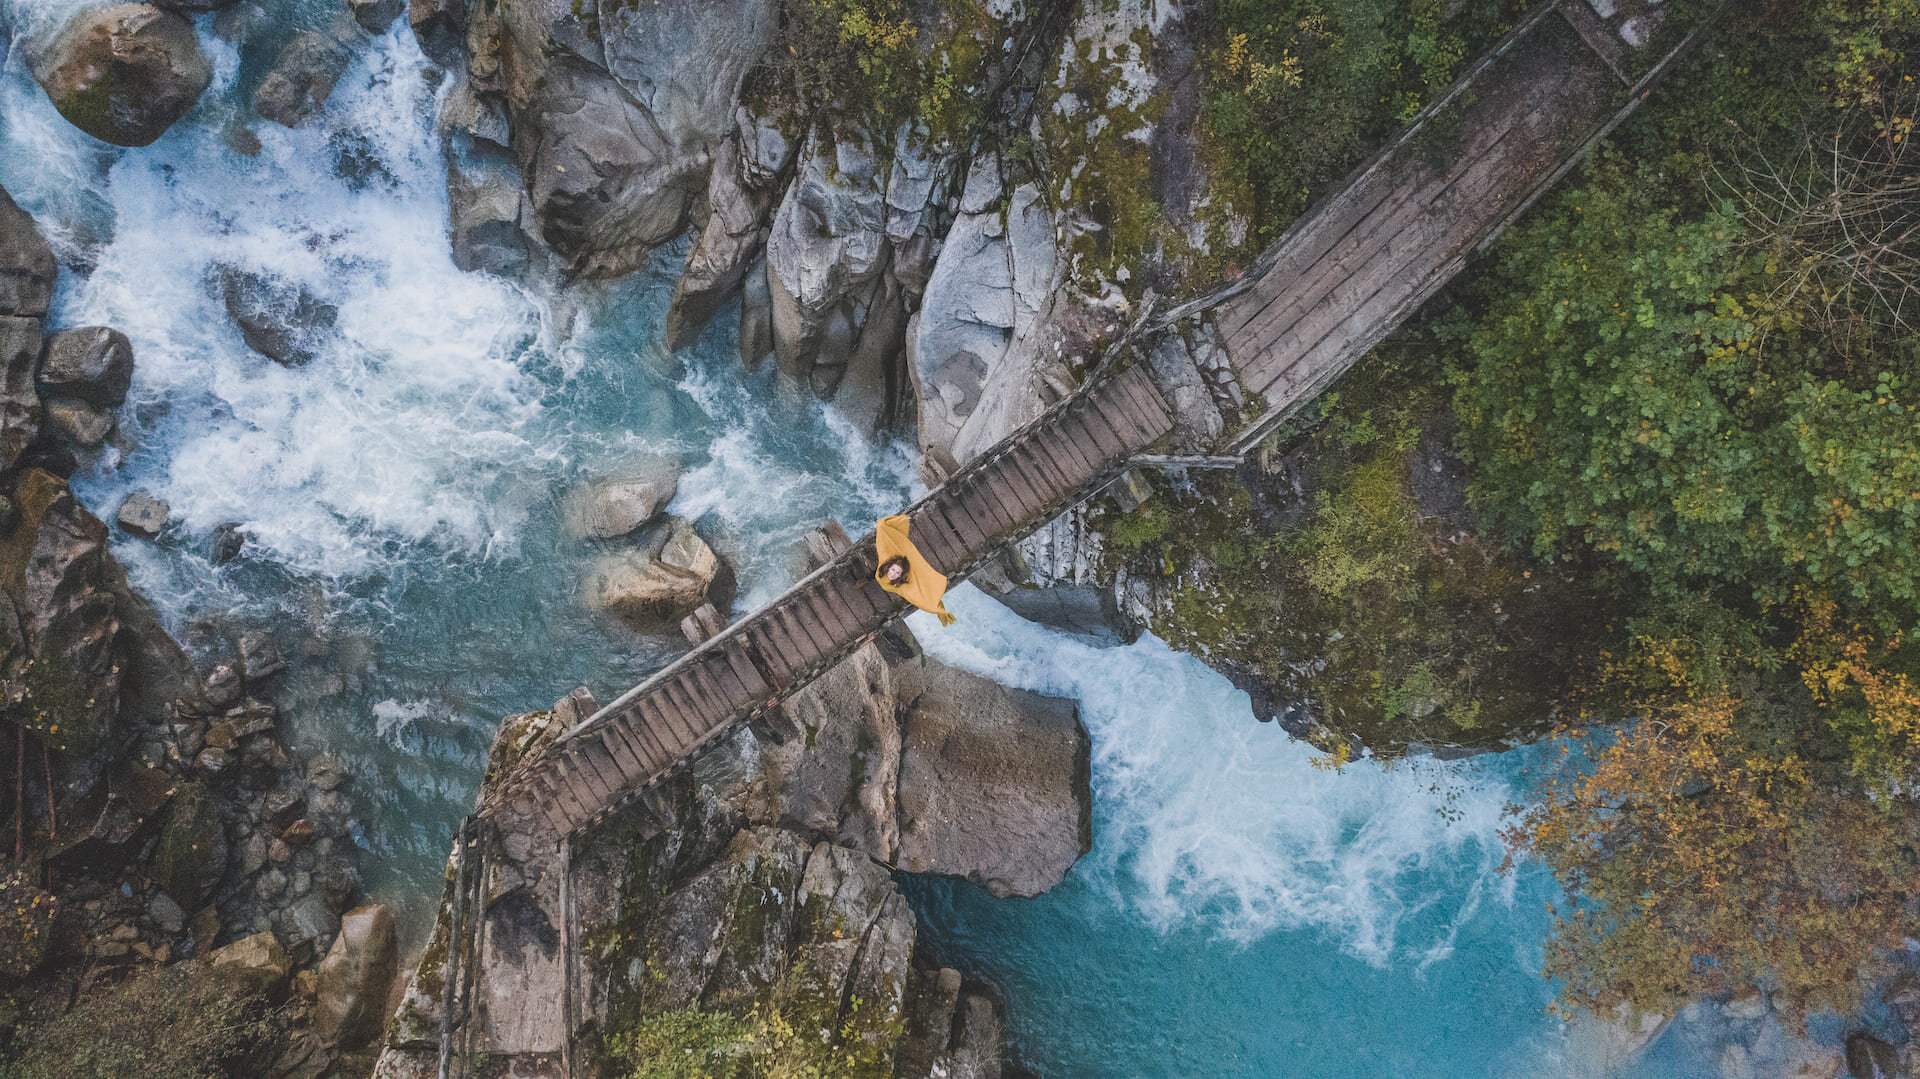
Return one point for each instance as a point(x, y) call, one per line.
point(924, 585)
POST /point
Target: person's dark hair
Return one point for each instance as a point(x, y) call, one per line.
point(896, 560)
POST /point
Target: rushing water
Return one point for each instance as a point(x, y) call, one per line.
point(1242, 913)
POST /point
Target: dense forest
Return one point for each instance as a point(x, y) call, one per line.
point(1684, 392)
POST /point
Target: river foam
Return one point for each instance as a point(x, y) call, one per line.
point(1206, 817)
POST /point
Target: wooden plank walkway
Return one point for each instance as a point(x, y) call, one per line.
point(1347, 273)
point(615, 756)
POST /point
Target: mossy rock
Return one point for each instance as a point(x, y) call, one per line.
point(193, 848)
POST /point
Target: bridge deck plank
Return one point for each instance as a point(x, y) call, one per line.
point(651, 719)
point(601, 778)
point(629, 764)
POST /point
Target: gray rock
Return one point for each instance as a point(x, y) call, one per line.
point(194, 7)
point(994, 784)
point(827, 243)
point(355, 978)
point(653, 587)
point(302, 78)
point(280, 321)
point(91, 363)
point(78, 423)
point(441, 27)
point(257, 965)
point(374, 16)
point(260, 657)
point(979, 343)
point(619, 504)
point(20, 410)
point(224, 686)
point(26, 263)
point(228, 542)
point(122, 74)
point(166, 915)
point(728, 243)
point(1870, 1058)
point(484, 210)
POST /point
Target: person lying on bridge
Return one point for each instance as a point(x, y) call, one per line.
point(905, 572)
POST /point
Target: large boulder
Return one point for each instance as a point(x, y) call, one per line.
point(193, 847)
point(281, 321)
point(122, 74)
point(26, 263)
point(615, 113)
point(80, 424)
point(980, 343)
point(485, 204)
point(930, 769)
point(652, 586)
point(143, 515)
point(302, 78)
point(374, 16)
point(20, 410)
point(994, 784)
point(827, 245)
point(355, 978)
point(91, 363)
point(620, 504)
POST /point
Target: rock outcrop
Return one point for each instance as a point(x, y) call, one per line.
point(620, 503)
point(283, 322)
point(929, 768)
point(752, 896)
point(356, 977)
point(302, 78)
point(122, 74)
point(668, 573)
point(26, 263)
point(89, 363)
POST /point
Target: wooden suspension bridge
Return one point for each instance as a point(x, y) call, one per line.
point(1213, 376)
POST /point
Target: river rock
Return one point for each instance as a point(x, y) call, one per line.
point(729, 240)
point(192, 856)
point(620, 504)
point(20, 410)
point(281, 321)
point(485, 204)
point(77, 423)
point(256, 965)
point(354, 978)
point(374, 16)
point(302, 78)
point(26, 263)
point(654, 586)
point(194, 7)
point(994, 784)
point(260, 657)
point(91, 363)
point(441, 28)
point(226, 543)
point(122, 74)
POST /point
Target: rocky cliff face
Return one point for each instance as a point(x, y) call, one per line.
point(750, 909)
point(161, 812)
point(950, 258)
